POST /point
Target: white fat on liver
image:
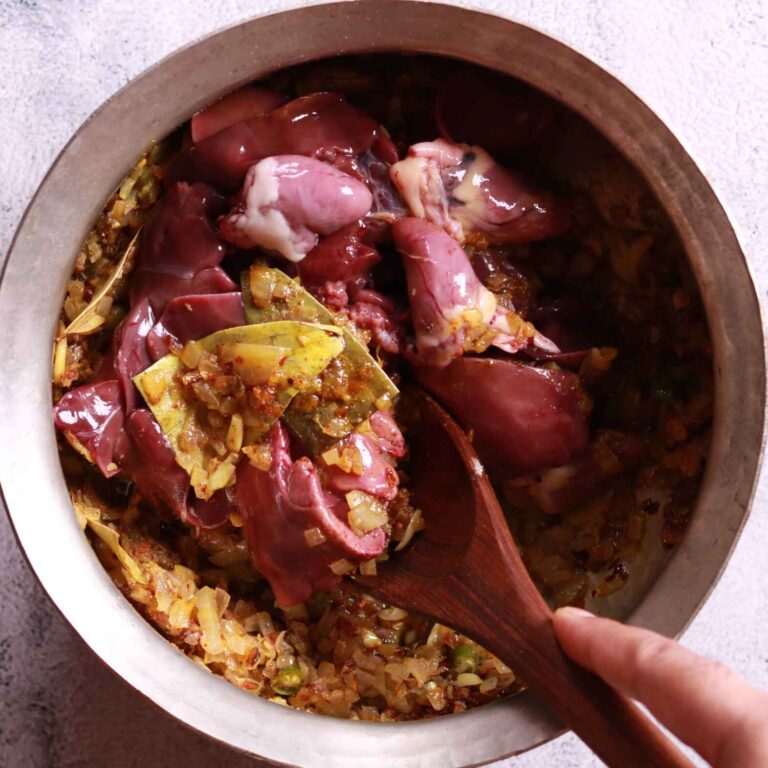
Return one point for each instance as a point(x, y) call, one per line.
point(288, 201)
point(263, 223)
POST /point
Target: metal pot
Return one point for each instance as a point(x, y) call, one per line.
point(39, 266)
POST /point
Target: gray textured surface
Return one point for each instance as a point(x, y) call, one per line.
point(702, 65)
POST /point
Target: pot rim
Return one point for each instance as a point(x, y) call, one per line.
point(127, 642)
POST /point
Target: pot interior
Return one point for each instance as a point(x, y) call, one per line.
point(613, 291)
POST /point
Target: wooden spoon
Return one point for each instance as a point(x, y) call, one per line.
point(465, 571)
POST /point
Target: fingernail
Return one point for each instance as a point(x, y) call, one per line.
point(570, 612)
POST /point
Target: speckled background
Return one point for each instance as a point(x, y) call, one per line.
point(701, 64)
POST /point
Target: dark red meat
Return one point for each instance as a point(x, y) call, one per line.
point(161, 288)
point(211, 513)
point(575, 483)
point(242, 104)
point(521, 418)
point(463, 190)
point(447, 301)
point(388, 435)
point(188, 318)
point(287, 201)
point(94, 415)
point(102, 416)
point(278, 506)
point(321, 125)
point(148, 459)
point(180, 251)
point(332, 293)
point(567, 322)
point(128, 355)
point(378, 477)
point(382, 318)
point(373, 169)
point(344, 256)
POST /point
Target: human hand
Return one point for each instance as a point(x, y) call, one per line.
point(703, 702)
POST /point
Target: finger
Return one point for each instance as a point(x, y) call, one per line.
point(703, 702)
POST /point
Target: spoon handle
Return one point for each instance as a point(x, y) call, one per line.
point(517, 627)
point(609, 723)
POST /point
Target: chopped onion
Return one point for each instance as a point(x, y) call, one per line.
point(436, 634)
point(468, 679)
point(180, 612)
point(366, 513)
point(435, 695)
point(419, 668)
point(415, 524)
point(112, 539)
point(355, 498)
point(103, 306)
point(282, 291)
point(190, 354)
point(356, 459)
point(350, 460)
point(364, 428)
point(326, 669)
point(154, 384)
point(266, 627)
point(392, 614)
point(236, 640)
point(262, 287)
point(340, 567)
point(164, 596)
point(492, 663)
point(208, 618)
point(188, 578)
point(331, 457)
point(234, 439)
point(260, 456)
point(371, 639)
point(336, 427)
point(314, 537)
point(296, 612)
point(368, 568)
point(222, 476)
point(94, 315)
point(253, 363)
point(60, 361)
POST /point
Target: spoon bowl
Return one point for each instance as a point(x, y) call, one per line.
point(439, 485)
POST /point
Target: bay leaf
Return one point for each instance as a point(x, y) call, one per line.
point(353, 387)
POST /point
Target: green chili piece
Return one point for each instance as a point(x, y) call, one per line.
point(464, 659)
point(288, 681)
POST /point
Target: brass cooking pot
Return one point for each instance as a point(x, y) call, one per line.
point(71, 196)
